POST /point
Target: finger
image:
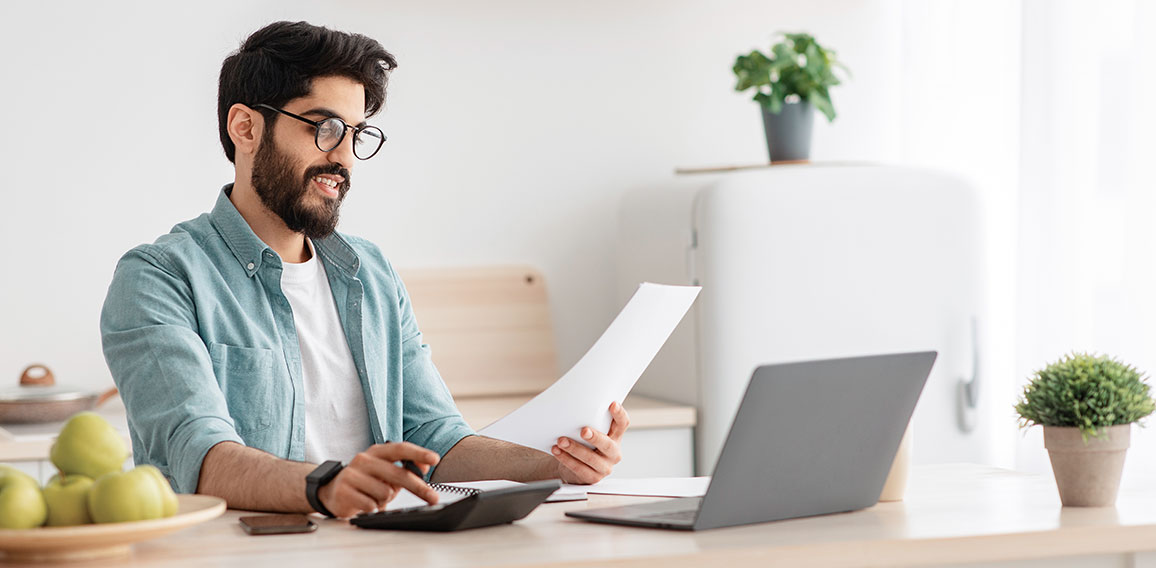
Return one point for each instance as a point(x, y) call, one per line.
point(398, 451)
point(388, 472)
point(603, 443)
point(583, 472)
point(591, 458)
point(399, 477)
point(348, 500)
point(620, 423)
point(378, 490)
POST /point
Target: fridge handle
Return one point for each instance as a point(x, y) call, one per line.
point(967, 391)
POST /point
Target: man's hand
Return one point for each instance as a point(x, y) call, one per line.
point(580, 464)
point(371, 479)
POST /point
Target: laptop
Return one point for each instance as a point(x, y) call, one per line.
point(809, 438)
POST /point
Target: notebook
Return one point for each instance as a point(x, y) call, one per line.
point(450, 492)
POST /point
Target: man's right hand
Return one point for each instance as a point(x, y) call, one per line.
point(372, 479)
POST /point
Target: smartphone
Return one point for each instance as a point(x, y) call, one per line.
point(277, 524)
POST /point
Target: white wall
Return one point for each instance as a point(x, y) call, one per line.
point(514, 127)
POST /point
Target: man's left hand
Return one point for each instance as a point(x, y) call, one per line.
point(582, 465)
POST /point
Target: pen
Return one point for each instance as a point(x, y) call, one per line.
point(411, 467)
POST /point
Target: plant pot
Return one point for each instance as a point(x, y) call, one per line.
point(1087, 474)
point(789, 132)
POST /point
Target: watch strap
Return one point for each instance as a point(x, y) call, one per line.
point(316, 480)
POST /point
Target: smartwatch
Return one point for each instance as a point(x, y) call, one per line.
point(318, 478)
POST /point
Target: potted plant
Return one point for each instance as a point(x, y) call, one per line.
point(1087, 405)
point(789, 83)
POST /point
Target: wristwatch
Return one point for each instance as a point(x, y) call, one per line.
point(317, 479)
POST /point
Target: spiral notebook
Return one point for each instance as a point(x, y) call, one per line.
point(450, 492)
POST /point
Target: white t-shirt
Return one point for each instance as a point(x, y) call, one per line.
point(336, 416)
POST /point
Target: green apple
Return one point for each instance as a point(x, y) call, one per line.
point(129, 496)
point(21, 502)
point(67, 499)
point(168, 497)
point(88, 445)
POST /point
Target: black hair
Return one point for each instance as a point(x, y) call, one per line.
point(279, 62)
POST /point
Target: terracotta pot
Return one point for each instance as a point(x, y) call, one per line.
point(1087, 474)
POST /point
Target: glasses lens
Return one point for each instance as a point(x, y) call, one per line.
point(329, 134)
point(367, 142)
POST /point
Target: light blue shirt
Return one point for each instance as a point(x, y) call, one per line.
point(201, 343)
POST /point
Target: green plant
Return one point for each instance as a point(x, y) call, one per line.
point(1087, 392)
point(797, 67)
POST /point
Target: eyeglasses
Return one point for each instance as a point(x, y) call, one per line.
point(367, 140)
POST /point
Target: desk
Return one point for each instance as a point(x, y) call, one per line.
point(962, 514)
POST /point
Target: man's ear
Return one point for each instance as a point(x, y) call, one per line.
point(244, 127)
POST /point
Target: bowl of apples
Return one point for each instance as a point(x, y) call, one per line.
point(92, 508)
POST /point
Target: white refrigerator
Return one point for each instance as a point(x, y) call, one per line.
point(806, 262)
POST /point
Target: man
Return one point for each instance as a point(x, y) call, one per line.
point(254, 342)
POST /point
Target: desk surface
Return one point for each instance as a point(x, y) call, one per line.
point(961, 513)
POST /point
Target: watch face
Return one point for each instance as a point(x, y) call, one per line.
point(324, 472)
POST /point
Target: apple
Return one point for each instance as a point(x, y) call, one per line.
point(168, 496)
point(21, 502)
point(129, 496)
point(88, 445)
point(67, 498)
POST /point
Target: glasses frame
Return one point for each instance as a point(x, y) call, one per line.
point(345, 128)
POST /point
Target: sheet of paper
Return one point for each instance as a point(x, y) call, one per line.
point(605, 373)
point(651, 486)
point(568, 493)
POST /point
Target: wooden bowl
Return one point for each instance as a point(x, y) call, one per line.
point(108, 540)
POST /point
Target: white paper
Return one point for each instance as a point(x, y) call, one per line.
point(652, 486)
point(605, 374)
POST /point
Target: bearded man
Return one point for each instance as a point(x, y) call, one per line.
point(254, 342)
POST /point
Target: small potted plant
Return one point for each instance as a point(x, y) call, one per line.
point(1087, 405)
point(789, 83)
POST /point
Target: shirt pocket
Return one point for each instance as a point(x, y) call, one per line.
point(247, 379)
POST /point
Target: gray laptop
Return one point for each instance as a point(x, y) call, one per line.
point(809, 438)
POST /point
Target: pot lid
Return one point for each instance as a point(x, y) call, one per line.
point(41, 394)
point(38, 385)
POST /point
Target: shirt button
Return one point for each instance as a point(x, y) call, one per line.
point(250, 266)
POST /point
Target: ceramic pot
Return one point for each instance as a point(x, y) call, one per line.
point(1087, 473)
point(789, 132)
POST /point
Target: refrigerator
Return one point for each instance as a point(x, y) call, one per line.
point(806, 262)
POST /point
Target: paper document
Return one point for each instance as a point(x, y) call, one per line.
point(605, 373)
point(652, 487)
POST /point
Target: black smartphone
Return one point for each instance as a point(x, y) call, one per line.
point(277, 524)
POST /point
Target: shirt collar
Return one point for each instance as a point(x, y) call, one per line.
point(250, 250)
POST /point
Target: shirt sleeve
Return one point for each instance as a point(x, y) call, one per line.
point(431, 419)
point(176, 410)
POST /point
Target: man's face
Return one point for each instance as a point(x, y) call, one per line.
point(293, 178)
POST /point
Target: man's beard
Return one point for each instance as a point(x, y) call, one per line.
point(284, 194)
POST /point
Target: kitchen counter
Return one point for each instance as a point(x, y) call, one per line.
point(953, 514)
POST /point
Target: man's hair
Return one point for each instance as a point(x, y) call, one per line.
point(279, 62)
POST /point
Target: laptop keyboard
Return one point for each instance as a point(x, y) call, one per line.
point(686, 515)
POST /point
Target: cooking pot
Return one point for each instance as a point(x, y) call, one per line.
point(40, 399)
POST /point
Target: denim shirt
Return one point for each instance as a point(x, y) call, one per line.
point(201, 343)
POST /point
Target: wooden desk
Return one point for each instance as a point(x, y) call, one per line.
point(954, 514)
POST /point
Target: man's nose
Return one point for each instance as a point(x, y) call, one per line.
point(342, 155)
